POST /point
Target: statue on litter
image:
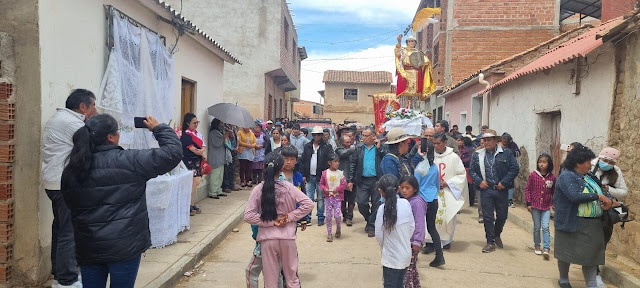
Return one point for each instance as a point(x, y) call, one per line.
point(414, 71)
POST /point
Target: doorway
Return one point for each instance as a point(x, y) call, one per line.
point(476, 113)
point(187, 97)
point(549, 137)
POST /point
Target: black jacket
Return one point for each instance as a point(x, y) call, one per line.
point(506, 166)
point(323, 163)
point(345, 155)
point(109, 207)
point(355, 170)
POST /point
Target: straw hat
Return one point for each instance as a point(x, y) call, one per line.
point(490, 133)
point(317, 130)
point(397, 135)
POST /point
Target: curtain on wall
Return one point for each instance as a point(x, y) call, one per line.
point(138, 81)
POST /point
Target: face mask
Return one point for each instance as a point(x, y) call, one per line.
point(605, 166)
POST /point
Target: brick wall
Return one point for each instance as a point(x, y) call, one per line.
point(7, 155)
point(505, 13)
point(615, 8)
point(473, 50)
point(277, 94)
point(289, 57)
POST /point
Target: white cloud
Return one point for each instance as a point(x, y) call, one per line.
point(373, 59)
point(370, 11)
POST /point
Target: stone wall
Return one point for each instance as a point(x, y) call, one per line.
point(625, 135)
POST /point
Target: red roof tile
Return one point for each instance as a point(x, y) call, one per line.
point(574, 48)
point(360, 77)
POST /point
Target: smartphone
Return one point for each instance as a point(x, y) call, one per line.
point(423, 145)
point(138, 122)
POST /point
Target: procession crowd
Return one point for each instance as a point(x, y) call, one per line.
point(408, 188)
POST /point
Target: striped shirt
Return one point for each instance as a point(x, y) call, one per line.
point(539, 190)
point(590, 209)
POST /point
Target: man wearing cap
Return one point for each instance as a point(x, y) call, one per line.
point(442, 126)
point(315, 159)
point(364, 171)
point(493, 170)
point(396, 162)
point(269, 127)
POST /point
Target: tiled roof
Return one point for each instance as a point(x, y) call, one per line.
point(498, 64)
point(204, 35)
point(574, 48)
point(360, 77)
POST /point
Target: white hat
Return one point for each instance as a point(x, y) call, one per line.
point(317, 130)
point(411, 38)
point(489, 133)
point(397, 135)
point(269, 122)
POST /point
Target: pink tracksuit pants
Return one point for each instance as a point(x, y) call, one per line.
point(287, 252)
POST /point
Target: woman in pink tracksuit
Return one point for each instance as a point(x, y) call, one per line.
point(272, 206)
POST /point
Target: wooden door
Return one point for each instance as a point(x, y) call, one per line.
point(556, 153)
point(187, 102)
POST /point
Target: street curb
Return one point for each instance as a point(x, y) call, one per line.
point(175, 272)
point(614, 275)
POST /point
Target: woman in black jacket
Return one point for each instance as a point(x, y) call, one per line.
point(104, 187)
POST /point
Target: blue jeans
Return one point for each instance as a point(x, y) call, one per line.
point(541, 217)
point(511, 192)
point(498, 202)
point(393, 278)
point(313, 188)
point(122, 274)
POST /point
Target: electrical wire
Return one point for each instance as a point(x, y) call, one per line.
point(349, 41)
point(352, 54)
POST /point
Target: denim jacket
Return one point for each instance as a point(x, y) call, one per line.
point(566, 198)
point(505, 163)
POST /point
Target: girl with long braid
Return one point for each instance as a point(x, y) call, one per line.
point(272, 206)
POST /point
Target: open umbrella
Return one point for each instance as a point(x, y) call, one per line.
point(231, 114)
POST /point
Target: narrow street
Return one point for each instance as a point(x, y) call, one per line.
point(354, 260)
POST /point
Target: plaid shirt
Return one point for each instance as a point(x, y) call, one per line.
point(538, 194)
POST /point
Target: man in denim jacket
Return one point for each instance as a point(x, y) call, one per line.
point(493, 170)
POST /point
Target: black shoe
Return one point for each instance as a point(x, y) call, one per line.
point(564, 285)
point(428, 248)
point(447, 247)
point(320, 223)
point(371, 233)
point(498, 242)
point(214, 197)
point(439, 260)
point(222, 195)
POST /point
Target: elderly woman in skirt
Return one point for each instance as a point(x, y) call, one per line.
point(579, 204)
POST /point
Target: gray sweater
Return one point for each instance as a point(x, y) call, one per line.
point(215, 149)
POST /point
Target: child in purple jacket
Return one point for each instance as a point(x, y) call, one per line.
point(409, 188)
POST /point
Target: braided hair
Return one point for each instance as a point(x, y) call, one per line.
point(388, 185)
point(273, 163)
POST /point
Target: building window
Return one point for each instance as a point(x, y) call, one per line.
point(436, 54)
point(294, 51)
point(317, 110)
point(275, 109)
point(286, 34)
point(350, 94)
point(440, 113)
point(280, 106)
point(463, 119)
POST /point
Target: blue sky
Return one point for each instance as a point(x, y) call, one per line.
point(361, 33)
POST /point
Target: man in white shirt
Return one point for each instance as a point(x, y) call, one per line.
point(57, 143)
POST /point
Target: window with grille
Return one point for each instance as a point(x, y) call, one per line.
point(351, 94)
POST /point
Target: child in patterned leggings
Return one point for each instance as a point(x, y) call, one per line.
point(333, 183)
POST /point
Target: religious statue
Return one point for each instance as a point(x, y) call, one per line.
point(414, 71)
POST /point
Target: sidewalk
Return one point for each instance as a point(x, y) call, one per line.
point(522, 218)
point(164, 267)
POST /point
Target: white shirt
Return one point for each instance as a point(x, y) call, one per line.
point(313, 165)
point(396, 244)
point(334, 178)
point(57, 142)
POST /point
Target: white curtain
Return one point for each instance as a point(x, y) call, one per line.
point(138, 82)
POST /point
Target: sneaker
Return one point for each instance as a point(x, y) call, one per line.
point(349, 222)
point(480, 220)
point(599, 282)
point(236, 188)
point(54, 284)
point(499, 243)
point(537, 251)
point(371, 233)
point(511, 204)
point(489, 248)
point(545, 255)
point(198, 211)
point(320, 223)
point(77, 284)
point(329, 238)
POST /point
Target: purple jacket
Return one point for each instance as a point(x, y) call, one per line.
point(419, 209)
